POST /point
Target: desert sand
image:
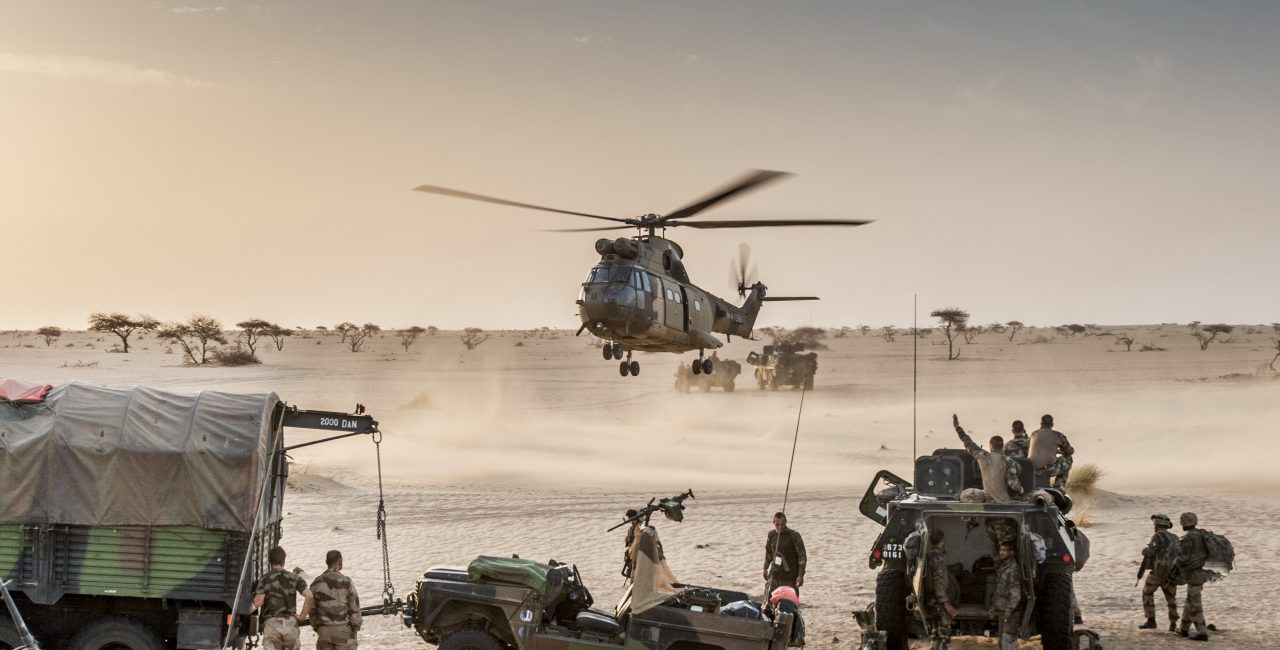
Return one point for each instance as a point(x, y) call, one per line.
point(531, 444)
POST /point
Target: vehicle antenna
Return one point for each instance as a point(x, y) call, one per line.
point(794, 441)
point(915, 356)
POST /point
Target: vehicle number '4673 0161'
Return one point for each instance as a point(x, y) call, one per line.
point(891, 551)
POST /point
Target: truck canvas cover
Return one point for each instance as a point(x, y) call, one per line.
point(97, 456)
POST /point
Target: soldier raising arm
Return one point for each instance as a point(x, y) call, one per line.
point(999, 474)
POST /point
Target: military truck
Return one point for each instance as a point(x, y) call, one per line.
point(727, 370)
point(784, 365)
point(1050, 549)
point(496, 603)
point(140, 519)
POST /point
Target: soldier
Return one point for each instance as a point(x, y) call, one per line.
point(1158, 574)
point(999, 474)
point(1019, 445)
point(784, 556)
point(337, 616)
point(1045, 446)
point(937, 604)
point(275, 598)
point(1189, 564)
point(1006, 603)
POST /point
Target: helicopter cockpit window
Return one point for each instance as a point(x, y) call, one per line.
point(599, 275)
point(621, 274)
point(644, 279)
point(635, 280)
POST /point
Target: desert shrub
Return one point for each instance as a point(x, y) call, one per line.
point(1084, 478)
point(234, 356)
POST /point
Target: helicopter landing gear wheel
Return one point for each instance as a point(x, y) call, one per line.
point(617, 351)
point(607, 351)
point(624, 368)
point(706, 366)
point(635, 368)
point(696, 366)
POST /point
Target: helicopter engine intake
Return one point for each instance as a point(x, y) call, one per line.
point(625, 248)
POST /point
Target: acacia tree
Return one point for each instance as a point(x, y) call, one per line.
point(278, 335)
point(197, 335)
point(997, 328)
point(408, 336)
point(952, 320)
point(357, 336)
point(252, 330)
point(865, 329)
point(50, 334)
point(886, 333)
point(1125, 340)
point(970, 333)
point(346, 330)
point(122, 325)
point(1014, 326)
point(432, 330)
point(472, 337)
point(1206, 334)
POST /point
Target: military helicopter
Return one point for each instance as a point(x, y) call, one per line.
point(639, 295)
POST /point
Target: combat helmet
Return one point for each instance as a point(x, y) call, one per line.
point(1188, 519)
point(1162, 521)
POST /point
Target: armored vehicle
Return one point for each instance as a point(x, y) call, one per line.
point(727, 370)
point(1050, 549)
point(784, 365)
point(140, 519)
point(496, 603)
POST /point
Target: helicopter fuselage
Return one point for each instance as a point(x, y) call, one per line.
point(639, 295)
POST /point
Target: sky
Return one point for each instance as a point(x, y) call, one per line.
point(1050, 162)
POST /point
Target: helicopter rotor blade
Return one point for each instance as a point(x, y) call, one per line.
point(788, 298)
point(752, 180)
point(585, 229)
point(767, 223)
point(459, 194)
point(752, 276)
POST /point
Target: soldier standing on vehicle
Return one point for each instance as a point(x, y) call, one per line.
point(999, 474)
point(1154, 558)
point(1006, 603)
point(784, 556)
point(1046, 444)
point(1020, 444)
point(337, 607)
point(938, 606)
point(1189, 565)
point(275, 598)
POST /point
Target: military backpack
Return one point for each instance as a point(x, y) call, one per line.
point(1219, 550)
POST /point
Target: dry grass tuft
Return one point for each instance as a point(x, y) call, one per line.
point(1084, 479)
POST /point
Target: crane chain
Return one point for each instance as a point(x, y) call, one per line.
point(388, 590)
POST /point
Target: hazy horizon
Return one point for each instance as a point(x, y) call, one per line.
point(1045, 162)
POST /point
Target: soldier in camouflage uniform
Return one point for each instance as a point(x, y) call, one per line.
point(1045, 447)
point(999, 474)
point(1006, 603)
point(336, 619)
point(1019, 446)
point(275, 598)
point(1158, 574)
point(784, 556)
point(1189, 565)
point(937, 603)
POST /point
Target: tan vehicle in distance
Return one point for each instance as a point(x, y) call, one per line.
point(784, 365)
point(727, 371)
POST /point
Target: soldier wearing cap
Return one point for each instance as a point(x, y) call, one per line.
point(275, 596)
point(1192, 553)
point(337, 612)
point(1158, 577)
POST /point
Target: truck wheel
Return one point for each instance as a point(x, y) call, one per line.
point(116, 633)
point(1053, 611)
point(470, 639)
point(891, 608)
point(9, 637)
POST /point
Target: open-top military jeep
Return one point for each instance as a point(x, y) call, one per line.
point(1050, 549)
point(498, 603)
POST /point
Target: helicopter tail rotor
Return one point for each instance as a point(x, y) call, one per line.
point(742, 276)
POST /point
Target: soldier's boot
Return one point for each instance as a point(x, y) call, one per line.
point(1149, 625)
point(1173, 623)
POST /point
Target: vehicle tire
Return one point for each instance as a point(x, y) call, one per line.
point(116, 633)
point(607, 351)
point(470, 639)
point(707, 367)
point(617, 351)
point(808, 382)
point(1054, 612)
point(9, 637)
point(891, 608)
point(635, 368)
point(728, 388)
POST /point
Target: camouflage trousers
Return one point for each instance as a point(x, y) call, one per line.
point(940, 635)
point(1010, 621)
point(335, 637)
point(280, 633)
point(1193, 610)
point(1170, 592)
point(1058, 470)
